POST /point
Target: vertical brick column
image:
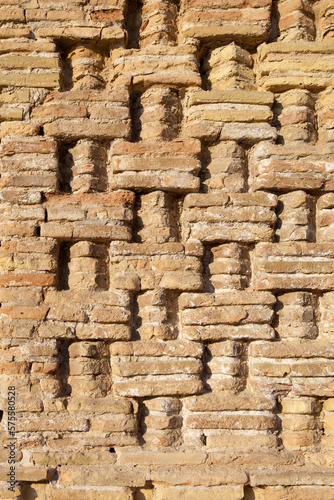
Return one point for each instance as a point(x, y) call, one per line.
point(159, 22)
point(86, 64)
point(296, 20)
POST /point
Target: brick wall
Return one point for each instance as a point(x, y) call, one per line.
point(167, 257)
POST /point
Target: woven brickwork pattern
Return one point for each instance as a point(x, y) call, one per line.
point(167, 249)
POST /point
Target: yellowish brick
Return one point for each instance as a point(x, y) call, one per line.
point(67, 493)
point(16, 96)
point(46, 80)
point(9, 114)
point(213, 493)
point(48, 61)
point(299, 405)
point(12, 15)
point(15, 129)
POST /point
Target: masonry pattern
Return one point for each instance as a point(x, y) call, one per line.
point(167, 248)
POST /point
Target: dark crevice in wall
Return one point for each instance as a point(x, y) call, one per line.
point(135, 319)
point(274, 31)
point(136, 110)
point(64, 366)
point(172, 305)
point(133, 22)
point(206, 261)
point(66, 162)
point(175, 207)
point(66, 81)
point(137, 220)
point(204, 174)
point(63, 266)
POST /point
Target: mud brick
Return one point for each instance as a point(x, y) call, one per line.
point(166, 257)
point(283, 265)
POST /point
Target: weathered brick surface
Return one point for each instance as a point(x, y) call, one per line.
point(166, 256)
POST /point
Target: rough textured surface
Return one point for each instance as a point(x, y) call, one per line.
point(167, 258)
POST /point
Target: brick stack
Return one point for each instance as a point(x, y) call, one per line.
point(166, 258)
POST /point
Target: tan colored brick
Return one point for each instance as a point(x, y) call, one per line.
point(213, 493)
point(67, 493)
